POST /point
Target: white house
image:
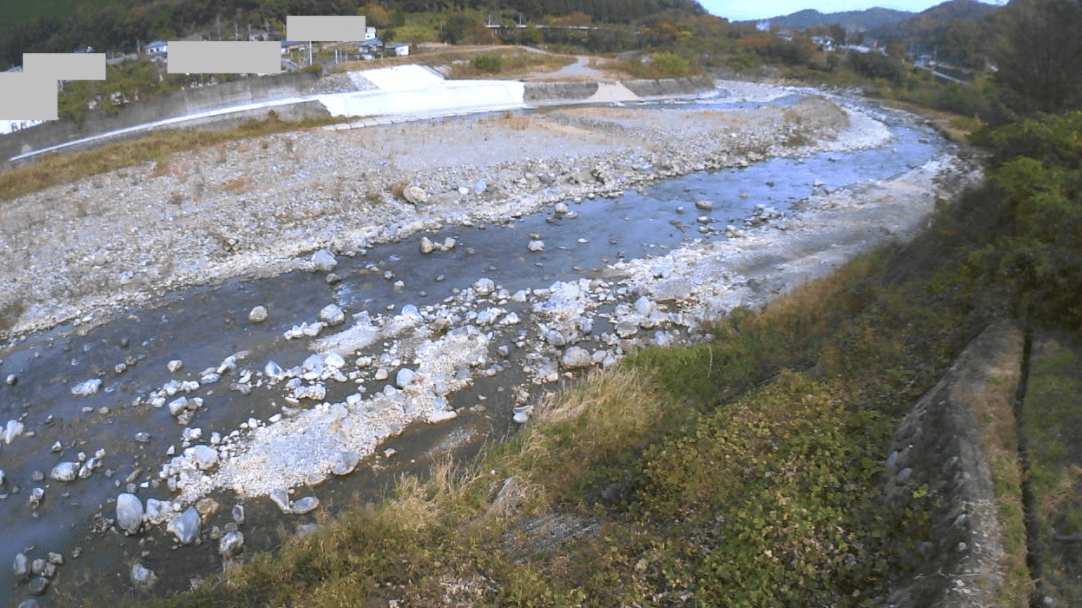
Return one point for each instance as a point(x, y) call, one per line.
point(398, 49)
point(369, 33)
point(158, 48)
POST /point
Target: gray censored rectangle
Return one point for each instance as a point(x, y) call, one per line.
point(224, 57)
point(325, 29)
point(65, 66)
point(28, 96)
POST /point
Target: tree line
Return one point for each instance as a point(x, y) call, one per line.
point(121, 24)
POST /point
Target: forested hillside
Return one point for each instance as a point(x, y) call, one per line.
point(32, 27)
point(848, 20)
point(960, 32)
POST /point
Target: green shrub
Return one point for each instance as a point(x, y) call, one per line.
point(488, 62)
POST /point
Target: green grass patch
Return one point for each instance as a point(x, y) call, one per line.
point(664, 64)
point(54, 169)
point(1053, 422)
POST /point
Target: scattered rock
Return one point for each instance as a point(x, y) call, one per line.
point(561, 208)
point(35, 498)
point(415, 195)
point(86, 388)
point(427, 246)
point(258, 314)
point(281, 498)
point(174, 366)
point(21, 567)
point(231, 544)
point(484, 287)
point(273, 371)
point(129, 513)
point(142, 577)
point(575, 358)
point(238, 514)
point(205, 457)
point(305, 505)
point(186, 527)
point(13, 429)
point(404, 377)
point(11, 380)
point(536, 246)
point(626, 328)
point(323, 260)
point(704, 205)
point(38, 586)
point(345, 462)
point(332, 315)
point(156, 511)
point(522, 414)
point(65, 471)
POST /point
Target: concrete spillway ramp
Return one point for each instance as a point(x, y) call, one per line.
point(612, 91)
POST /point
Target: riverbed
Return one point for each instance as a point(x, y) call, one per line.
point(395, 333)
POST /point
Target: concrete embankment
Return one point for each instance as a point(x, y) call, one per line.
point(938, 457)
point(181, 103)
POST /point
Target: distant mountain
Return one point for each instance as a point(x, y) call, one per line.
point(935, 21)
point(853, 21)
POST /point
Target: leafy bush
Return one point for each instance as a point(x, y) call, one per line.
point(488, 62)
point(1038, 176)
point(672, 64)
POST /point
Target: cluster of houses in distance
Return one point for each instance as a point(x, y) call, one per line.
point(295, 54)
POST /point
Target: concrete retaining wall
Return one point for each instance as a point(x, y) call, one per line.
point(938, 446)
point(545, 91)
point(669, 86)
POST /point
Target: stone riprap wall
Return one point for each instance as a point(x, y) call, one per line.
point(669, 86)
point(938, 446)
point(188, 101)
point(546, 91)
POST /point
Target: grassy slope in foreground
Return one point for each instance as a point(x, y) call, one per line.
point(743, 471)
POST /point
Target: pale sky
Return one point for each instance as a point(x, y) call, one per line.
point(742, 11)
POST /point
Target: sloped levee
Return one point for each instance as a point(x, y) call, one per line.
point(188, 101)
point(938, 465)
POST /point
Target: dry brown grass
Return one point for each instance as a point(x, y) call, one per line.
point(53, 169)
point(398, 189)
point(238, 185)
point(992, 406)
